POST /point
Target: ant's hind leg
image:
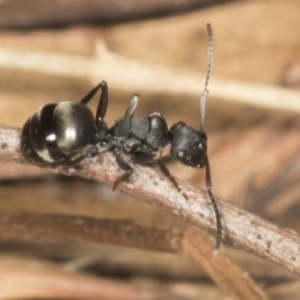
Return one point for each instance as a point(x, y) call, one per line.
point(124, 166)
point(103, 101)
point(143, 159)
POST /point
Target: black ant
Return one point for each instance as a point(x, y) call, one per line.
point(56, 134)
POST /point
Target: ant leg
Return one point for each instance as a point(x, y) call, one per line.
point(102, 106)
point(76, 159)
point(86, 99)
point(67, 162)
point(98, 148)
point(215, 206)
point(124, 166)
point(142, 159)
point(74, 162)
point(167, 173)
point(147, 158)
point(100, 129)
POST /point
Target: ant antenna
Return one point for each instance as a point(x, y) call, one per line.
point(210, 54)
point(215, 207)
point(203, 99)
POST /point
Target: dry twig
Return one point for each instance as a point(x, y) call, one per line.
point(221, 268)
point(34, 13)
point(50, 281)
point(249, 232)
point(31, 227)
point(236, 282)
point(40, 280)
point(146, 77)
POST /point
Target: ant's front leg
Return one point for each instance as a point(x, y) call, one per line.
point(163, 168)
point(124, 166)
point(148, 158)
point(142, 158)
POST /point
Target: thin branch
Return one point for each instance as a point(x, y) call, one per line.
point(221, 268)
point(281, 247)
point(34, 14)
point(143, 77)
point(51, 281)
point(32, 227)
point(31, 279)
point(195, 243)
point(285, 290)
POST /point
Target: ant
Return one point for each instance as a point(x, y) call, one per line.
point(57, 134)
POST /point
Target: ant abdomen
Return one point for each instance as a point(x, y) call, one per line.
point(56, 133)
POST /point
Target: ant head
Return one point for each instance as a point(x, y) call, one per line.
point(189, 145)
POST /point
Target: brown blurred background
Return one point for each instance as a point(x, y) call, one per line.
point(253, 148)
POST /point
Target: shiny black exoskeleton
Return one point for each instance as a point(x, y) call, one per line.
point(189, 145)
point(56, 133)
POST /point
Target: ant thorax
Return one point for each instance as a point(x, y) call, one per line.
point(140, 134)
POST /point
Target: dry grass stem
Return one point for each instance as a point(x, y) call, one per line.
point(40, 280)
point(31, 227)
point(243, 229)
point(35, 15)
point(195, 243)
point(142, 77)
point(221, 268)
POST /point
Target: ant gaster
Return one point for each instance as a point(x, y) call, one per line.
point(56, 133)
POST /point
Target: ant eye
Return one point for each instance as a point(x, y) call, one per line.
point(200, 146)
point(181, 153)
